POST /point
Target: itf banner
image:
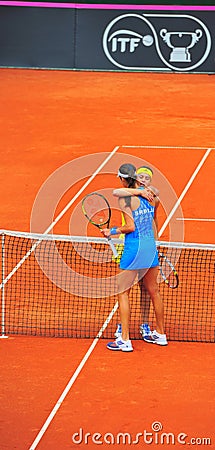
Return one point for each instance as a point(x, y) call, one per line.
point(99, 37)
point(149, 41)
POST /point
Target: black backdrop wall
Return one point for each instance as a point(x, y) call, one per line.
point(108, 38)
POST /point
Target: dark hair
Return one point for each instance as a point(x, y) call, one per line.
point(130, 170)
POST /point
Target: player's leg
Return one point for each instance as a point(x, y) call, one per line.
point(151, 284)
point(145, 302)
point(125, 281)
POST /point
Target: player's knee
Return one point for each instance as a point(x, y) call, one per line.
point(153, 291)
point(124, 286)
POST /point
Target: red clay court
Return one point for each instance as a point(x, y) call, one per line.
point(53, 387)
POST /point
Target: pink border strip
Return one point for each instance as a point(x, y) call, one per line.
point(102, 6)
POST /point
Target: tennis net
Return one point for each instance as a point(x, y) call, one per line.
point(64, 286)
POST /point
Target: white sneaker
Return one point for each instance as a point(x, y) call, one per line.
point(119, 344)
point(156, 338)
point(145, 330)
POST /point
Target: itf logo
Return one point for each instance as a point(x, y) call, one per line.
point(178, 42)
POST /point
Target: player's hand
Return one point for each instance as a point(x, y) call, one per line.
point(148, 194)
point(106, 232)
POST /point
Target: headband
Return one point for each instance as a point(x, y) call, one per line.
point(124, 175)
point(145, 170)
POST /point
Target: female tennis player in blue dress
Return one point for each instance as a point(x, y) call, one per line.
point(151, 193)
point(139, 258)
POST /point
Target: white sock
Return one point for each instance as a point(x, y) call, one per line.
point(159, 334)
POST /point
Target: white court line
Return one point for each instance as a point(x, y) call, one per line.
point(167, 146)
point(60, 215)
point(172, 212)
point(195, 219)
point(72, 380)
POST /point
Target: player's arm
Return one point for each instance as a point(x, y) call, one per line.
point(146, 193)
point(154, 190)
point(155, 222)
point(128, 225)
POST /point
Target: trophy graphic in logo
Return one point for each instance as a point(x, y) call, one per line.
point(180, 53)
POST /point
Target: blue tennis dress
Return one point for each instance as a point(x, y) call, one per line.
point(140, 250)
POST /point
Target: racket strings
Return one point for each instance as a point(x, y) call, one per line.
point(96, 209)
point(100, 217)
point(168, 271)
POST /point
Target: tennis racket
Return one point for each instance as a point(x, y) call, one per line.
point(168, 272)
point(97, 210)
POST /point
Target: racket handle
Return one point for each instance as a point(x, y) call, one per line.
point(112, 246)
